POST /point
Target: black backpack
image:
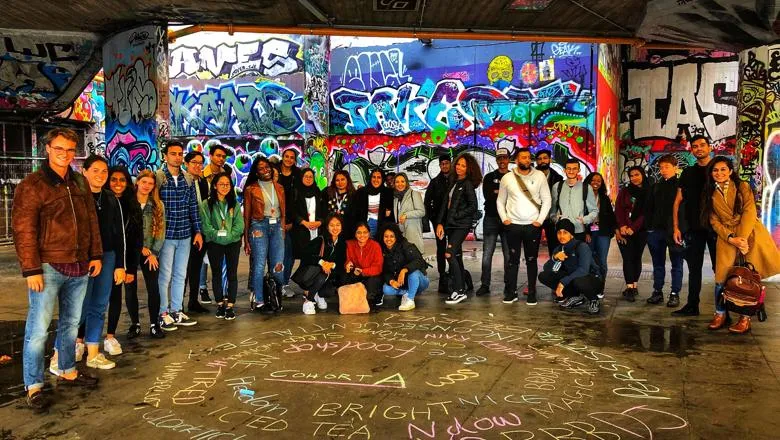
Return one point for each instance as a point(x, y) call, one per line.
point(273, 293)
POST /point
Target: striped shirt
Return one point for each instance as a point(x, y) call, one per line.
point(182, 218)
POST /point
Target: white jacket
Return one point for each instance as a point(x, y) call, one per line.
point(513, 204)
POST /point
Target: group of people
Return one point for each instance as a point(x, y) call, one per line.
point(82, 237)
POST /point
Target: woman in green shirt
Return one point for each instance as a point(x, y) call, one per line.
point(222, 224)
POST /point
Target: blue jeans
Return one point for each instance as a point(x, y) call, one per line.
point(93, 313)
point(373, 225)
point(267, 244)
point(174, 256)
point(288, 258)
point(656, 242)
point(69, 291)
point(599, 244)
point(416, 282)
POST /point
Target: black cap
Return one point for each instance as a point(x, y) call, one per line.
point(566, 225)
point(445, 157)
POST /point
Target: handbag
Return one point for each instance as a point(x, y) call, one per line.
point(743, 289)
point(305, 275)
point(353, 299)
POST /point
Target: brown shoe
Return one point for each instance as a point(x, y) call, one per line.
point(718, 321)
point(742, 326)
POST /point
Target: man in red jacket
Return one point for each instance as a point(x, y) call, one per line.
point(57, 241)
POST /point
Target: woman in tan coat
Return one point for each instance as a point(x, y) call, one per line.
point(731, 210)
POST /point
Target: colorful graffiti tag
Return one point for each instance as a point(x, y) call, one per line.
point(37, 67)
point(607, 114)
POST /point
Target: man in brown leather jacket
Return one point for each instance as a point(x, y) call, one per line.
point(57, 241)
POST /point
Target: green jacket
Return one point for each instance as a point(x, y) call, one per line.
point(211, 220)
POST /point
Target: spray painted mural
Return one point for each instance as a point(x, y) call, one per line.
point(89, 106)
point(670, 96)
point(134, 110)
point(399, 106)
point(608, 92)
point(37, 67)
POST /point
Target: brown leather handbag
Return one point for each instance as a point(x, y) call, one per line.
point(743, 291)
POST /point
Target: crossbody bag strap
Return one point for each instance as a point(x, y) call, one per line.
point(527, 193)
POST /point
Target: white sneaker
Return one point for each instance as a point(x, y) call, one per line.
point(112, 346)
point(54, 367)
point(321, 303)
point(80, 349)
point(181, 319)
point(308, 308)
point(287, 291)
point(406, 304)
point(100, 362)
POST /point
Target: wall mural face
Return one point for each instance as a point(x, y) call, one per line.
point(400, 106)
point(132, 74)
point(670, 97)
point(37, 67)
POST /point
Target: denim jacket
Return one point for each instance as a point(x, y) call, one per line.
point(151, 242)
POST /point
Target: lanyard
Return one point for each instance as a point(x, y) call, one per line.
point(272, 196)
point(340, 202)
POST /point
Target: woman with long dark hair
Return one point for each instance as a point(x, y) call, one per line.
point(632, 232)
point(728, 205)
point(329, 253)
point(403, 268)
point(153, 229)
point(340, 198)
point(121, 185)
point(374, 202)
point(223, 226)
point(456, 217)
point(599, 234)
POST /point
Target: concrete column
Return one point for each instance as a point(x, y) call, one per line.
point(137, 101)
point(316, 59)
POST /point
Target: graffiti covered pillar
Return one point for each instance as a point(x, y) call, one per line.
point(316, 59)
point(607, 119)
point(137, 102)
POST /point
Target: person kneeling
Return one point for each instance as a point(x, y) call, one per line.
point(364, 264)
point(572, 272)
point(404, 267)
point(322, 266)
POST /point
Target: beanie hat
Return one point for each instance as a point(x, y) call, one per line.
point(566, 225)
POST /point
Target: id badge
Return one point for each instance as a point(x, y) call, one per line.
point(272, 221)
point(594, 227)
point(222, 233)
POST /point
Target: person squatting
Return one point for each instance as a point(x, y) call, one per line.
point(81, 238)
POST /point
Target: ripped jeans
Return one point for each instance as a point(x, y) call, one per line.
point(267, 245)
point(527, 236)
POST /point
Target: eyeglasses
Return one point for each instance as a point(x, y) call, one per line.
point(223, 185)
point(195, 163)
point(60, 150)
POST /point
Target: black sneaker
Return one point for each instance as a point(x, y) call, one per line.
point(134, 331)
point(167, 323)
point(656, 298)
point(674, 300)
point(687, 310)
point(156, 332)
point(230, 314)
point(572, 302)
point(456, 297)
point(37, 401)
point(531, 298)
point(632, 294)
point(204, 296)
point(509, 298)
point(81, 380)
point(557, 299)
point(195, 307)
point(483, 290)
point(594, 307)
point(220, 311)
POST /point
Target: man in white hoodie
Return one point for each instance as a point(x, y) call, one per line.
point(523, 204)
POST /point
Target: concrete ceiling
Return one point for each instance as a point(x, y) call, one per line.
point(722, 24)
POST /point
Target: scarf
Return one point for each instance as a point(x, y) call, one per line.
point(400, 194)
point(374, 191)
point(307, 191)
point(639, 194)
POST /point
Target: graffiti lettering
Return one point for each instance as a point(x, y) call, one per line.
point(131, 94)
point(561, 50)
point(368, 70)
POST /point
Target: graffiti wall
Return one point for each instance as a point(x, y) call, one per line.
point(89, 107)
point(399, 106)
point(607, 118)
point(669, 96)
point(136, 78)
point(36, 67)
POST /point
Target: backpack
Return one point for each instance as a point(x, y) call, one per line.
point(272, 292)
point(584, 197)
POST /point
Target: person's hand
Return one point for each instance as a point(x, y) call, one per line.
point(247, 247)
point(560, 256)
point(402, 276)
point(119, 276)
point(507, 222)
point(559, 290)
point(358, 271)
point(198, 241)
point(629, 231)
point(581, 220)
point(440, 232)
point(315, 224)
point(95, 266)
point(146, 252)
point(677, 236)
point(588, 238)
point(620, 239)
point(622, 230)
point(129, 278)
point(326, 267)
point(537, 224)
point(151, 260)
point(349, 266)
point(288, 226)
point(402, 219)
point(394, 284)
point(35, 283)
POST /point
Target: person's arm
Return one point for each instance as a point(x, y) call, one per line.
point(621, 209)
point(237, 229)
point(584, 260)
point(593, 208)
point(247, 213)
point(414, 259)
point(502, 196)
point(418, 210)
point(554, 201)
point(207, 228)
point(194, 209)
point(470, 196)
point(678, 198)
point(25, 218)
point(546, 201)
point(749, 217)
point(428, 201)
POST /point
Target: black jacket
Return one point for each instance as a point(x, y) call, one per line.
point(490, 185)
point(459, 212)
point(607, 218)
point(332, 252)
point(348, 214)
point(134, 233)
point(385, 204)
point(553, 177)
point(300, 235)
point(435, 195)
point(579, 261)
point(402, 255)
point(660, 204)
point(110, 222)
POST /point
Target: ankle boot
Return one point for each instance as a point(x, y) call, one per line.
point(718, 321)
point(742, 326)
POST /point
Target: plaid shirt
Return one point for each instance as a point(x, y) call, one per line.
point(182, 218)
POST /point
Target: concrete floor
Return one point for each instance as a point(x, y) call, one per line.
point(480, 369)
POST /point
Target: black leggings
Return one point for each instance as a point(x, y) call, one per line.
point(455, 238)
point(152, 292)
point(588, 285)
point(194, 265)
point(230, 253)
point(632, 255)
point(441, 260)
point(115, 306)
